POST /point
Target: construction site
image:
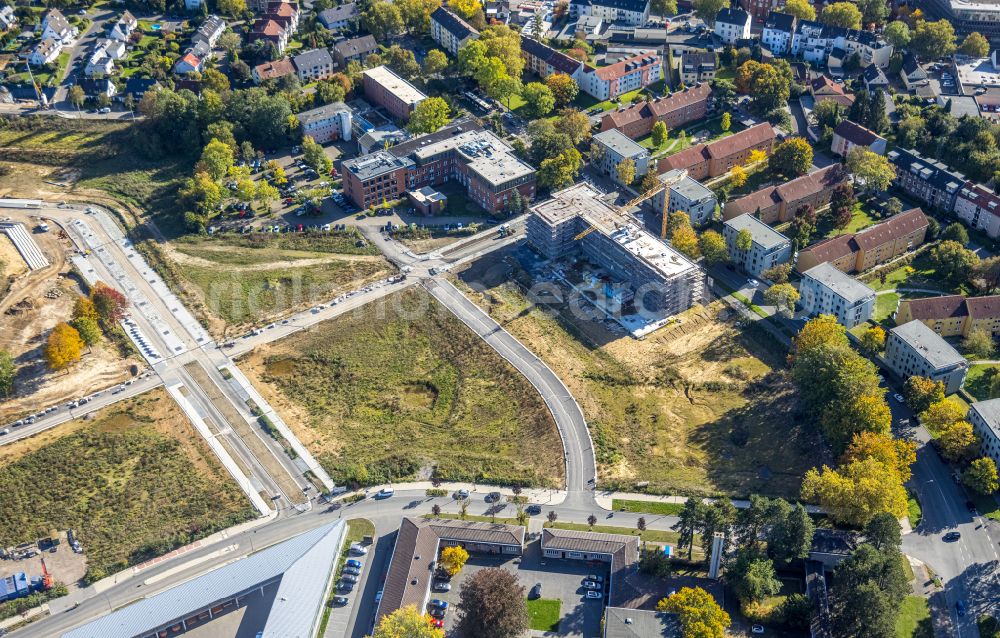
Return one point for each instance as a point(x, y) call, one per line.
point(605, 255)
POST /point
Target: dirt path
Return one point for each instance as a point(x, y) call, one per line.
point(179, 256)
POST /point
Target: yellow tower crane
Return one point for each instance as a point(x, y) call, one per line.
point(623, 209)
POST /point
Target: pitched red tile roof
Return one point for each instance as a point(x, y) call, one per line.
point(856, 134)
point(937, 307)
point(789, 192)
point(891, 229)
point(720, 148)
point(833, 248)
point(984, 307)
point(276, 69)
point(619, 69)
point(659, 107)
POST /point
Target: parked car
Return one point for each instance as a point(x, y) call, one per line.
point(340, 601)
point(438, 613)
point(440, 604)
point(589, 584)
point(353, 563)
point(492, 497)
point(536, 592)
point(349, 578)
point(595, 595)
point(595, 578)
point(533, 510)
point(441, 586)
point(353, 571)
point(757, 629)
point(385, 492)
point(462, 494)
point(360, 550)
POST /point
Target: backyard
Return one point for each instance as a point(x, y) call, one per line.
point(693, 409)
point(135, 482)
point(696, 133)
point(401, 389)
point(240, 280)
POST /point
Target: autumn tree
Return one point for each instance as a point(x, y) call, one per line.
point(873, 339)
point(957, 442)
point(492, 605)
point(778, 274)
point(713, 247)
point(700, 616)
point(801, 9)
point(406, 622)
point(216, 159)
point(975, 45)
point(738, 176)
point(896, 454)
point(791, 158)
point(110, 304)
point(921, 393)
point(561, 170)
point(940, 415)
point(8, 372)
point(453, 559)
point(563, 88)
point(659, 134)
point(981, 476)
point(726, 122)
point(856, 491)
point(574, 125)
point(842, 14)
point(870, 170)
point(428, 116)
point(933, 40)
point(63, 347)
point(784, 297)
point(625, 171)
point(744, 240)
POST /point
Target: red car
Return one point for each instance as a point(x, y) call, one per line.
point(436, 622)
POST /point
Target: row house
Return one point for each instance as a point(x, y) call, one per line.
point(928, 180)
point(979, 207)
point(209, 31)
point(451, 31)
point(675, 110)
point(543, 60)
point(7, 18)
point(719, 157)
point(778, 203)
point(953, 315)
point(777, 34)
point(632, 73)
point(193, 60)
point(278, 24)
point(732, 24)
point(861, 251)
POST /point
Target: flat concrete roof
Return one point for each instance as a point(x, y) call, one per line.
point(762, 234)
point(841, 283)
point(619, 143)
point(395, 84)
point(489, 156)
point(929, 344)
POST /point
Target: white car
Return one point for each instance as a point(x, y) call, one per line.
point(753, 283)
point(595, 595)
point(899, 397)
point(757, 629)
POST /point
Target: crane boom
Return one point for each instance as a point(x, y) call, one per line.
point(622, 210)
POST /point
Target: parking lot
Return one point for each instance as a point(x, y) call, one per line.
point(560, 579)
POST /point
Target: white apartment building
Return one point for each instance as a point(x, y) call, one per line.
point(827, 291)
point(913, 349)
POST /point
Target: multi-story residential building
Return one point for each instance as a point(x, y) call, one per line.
point(388, 90)
point(666, 280)
point(697, 66)
point(815, 42)
point(953, 315)
point(462, 152)
point(608, 82)
point(316, 64)
point(354, 50)
point(928, 180)
point(45, 52)
point(7, 18)
point(760, 10)
point(285, 13)
point(273, 70)
point(869, 46)
point(615, 148)
point(122, 28)
point(193, 60)
point(100, 62)
point(271, 31)
point(825, 290)
point(777, 34)
point(450, 30)
point(209, 31)
point(874, 78)
point(778, 203)
point(719, 157)
point(687, 196)
point(823, 88)
point(848, 135)
point(857, 252)
point(732, 25)
point(912, 74)
point(55, 26)
point(339, 17)
point(543, 60)
point(675, 110)
point(985, 419)
point(979, 207)
point(634, 12)
point(327, 123)
point(914, 350)
point(768, 247)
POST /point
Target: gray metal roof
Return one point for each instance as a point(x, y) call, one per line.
point(847, 287)
point(621, 622)
point(313, 58)
point(304, 565)
point(763, 235)
point(619, 143)
point(928, 344)
point(321, 113)
point(989, 411)
point(692, 190)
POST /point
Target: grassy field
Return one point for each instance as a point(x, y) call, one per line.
point(88, 156)
point(647, 507)
point(402, 387)
point(135, 482)
point(914, 619)
point(544, 614)
point(242, 279)
point(694, 409)
point(919, 274)
point(977, 382)
point(860, 219)
point(885, 306)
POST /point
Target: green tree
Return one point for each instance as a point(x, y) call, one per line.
point(884, 533)
point(216, 159)
point(649, 182)
point(790, 534)
point(842, 14)
point(744, 240)
point(981, 476)
point(625, 171)
point(921, 393)
point(688, 522)
point(801, 9)
point(560, 170)
point(778, 274)
point(897, 33)
point(953, 262)
point(933, 40)
point(871, 588)
point(979, 343)
point(406, 622)
point(538, 98)
point(435, 62)
point(314, 155)
point(563, 88)
point(492, 605)
point(574, 125)
point(753, 578)
point(791, 158)
point(784, 297)
point(707, 10)
point(76, 96)
point(955, 231)
point(873, 11)
point(871, 170)
point(382, 19)
point(8, 372)
point(430, 115)
point(201, 191)
point(975, 45)
point(215, 80)
point(713, 247)
point(659, 134)
point(700, 616)
point(88, 329)
point(663, 8)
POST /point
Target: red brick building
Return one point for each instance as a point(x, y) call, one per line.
point(393, 93)
point(779, 202)
point(675, 110)
point(718, 157)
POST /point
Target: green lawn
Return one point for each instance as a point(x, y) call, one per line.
point(680, 139)
point(914, 619)
point(977, 382)
point(647, 507)
point(544, 614)
point(885, 306)
point(860, 219)
point(913, 509)
point(584, 101)
point(919, 274)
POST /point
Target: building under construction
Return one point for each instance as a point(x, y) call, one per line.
point(662, 280)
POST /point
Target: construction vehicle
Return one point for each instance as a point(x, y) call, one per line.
point(623, 209)
point(47, 580)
